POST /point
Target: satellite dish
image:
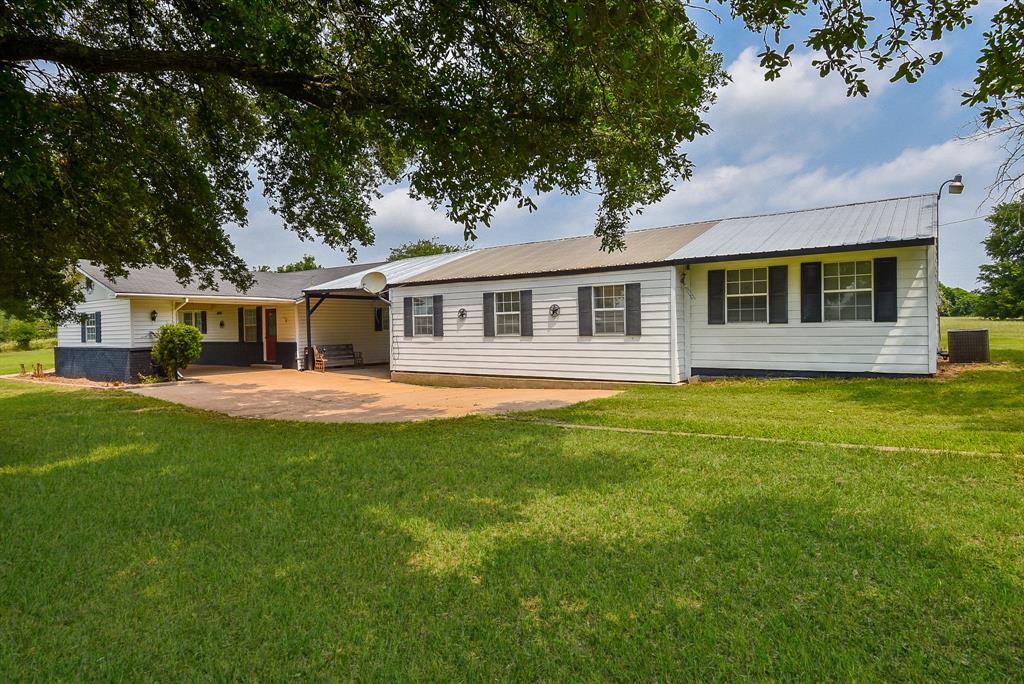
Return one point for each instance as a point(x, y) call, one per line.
point(374, 282)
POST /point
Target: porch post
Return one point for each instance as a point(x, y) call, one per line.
point(309, 335)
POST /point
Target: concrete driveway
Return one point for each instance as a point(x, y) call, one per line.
point(364, 395)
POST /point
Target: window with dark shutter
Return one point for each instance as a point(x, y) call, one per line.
point(585, 311)
point(438, 315)
point(81, 319)
point(526, 312)
point(716, 297)
point(885, 290)
point(810, 292)
point(99, 326)
point(488, 314)
point(633, 308)
point(778, 294)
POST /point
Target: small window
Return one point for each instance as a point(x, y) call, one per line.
point(90, 327)
point(196, 319)
point(422, 315)
point(847, 291)
point(610, 310)
point(507, 318)
point(381, 319)
point(88, 285)
point(746, 295)
point(249, 330)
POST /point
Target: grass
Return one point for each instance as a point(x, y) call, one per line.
point(143, 540)
point(981, 410)
point(10, 362)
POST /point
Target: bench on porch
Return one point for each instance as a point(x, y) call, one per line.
point(334, 355)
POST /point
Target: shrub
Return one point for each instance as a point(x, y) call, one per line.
point(177, 345)
point(22, 333)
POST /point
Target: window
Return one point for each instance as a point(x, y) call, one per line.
point(88, 285)
point(90, 327)
point(610, 309)
point(507, 320)
point(196, 319)
point(381, 319)
point(746, 295)
point(422, 315)
point(249, 328)
point(847, 291)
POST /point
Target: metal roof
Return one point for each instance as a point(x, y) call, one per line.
point(903, 219)
point(583, 253)
point(395, 271)
point(152, 280)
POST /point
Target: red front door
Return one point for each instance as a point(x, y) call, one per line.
point(270, 325)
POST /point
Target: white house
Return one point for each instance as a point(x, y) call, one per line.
point(851, 289)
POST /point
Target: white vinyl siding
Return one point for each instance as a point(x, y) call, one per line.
point(905, 346)
point(556, 349)
point(115, 323)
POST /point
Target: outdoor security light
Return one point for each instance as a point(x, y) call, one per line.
point(956, 185)
point(152, 315)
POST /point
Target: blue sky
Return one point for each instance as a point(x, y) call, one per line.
point(798, 142)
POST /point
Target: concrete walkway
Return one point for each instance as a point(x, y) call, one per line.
point(364, 395)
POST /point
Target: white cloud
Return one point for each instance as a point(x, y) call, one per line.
point(397, 212)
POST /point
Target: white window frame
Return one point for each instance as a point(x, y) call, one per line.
point(595, 309)
point(739, 282)
point(385, 317)
point(192, 317)
point(90, 327)
point(246, 325)
point(506, 316)
point(425, 304)
point(870, 289)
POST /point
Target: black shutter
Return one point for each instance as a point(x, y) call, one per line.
point(241, 324)
point(259, 325)
point(81, 319)
point(810, 292)
point(438, 315)
point(526, 313)
point(202, 322)
point(586, 311)
point(99, 327)
point(407, 317)
point(885, 289)
point(488, 314)
point(632, 308)
point(378, 318)
point(716, 297)
point(778, 294)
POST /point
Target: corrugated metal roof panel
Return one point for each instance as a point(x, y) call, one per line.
point(867, 223)
point(567, 254)
point(271, 285)
point(395, 271)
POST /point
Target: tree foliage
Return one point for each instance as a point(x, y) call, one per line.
point(22, 332)
point(956, 301)
point(132, 127)
point(1002, 292)
point(176, 346)
point(424, 247)
point(306, 263)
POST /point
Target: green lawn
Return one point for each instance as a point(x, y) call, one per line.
point(10, 362)
point(143, 540)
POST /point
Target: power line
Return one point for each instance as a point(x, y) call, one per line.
point(973, 218)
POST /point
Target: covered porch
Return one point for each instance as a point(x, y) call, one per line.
point(336, 318)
